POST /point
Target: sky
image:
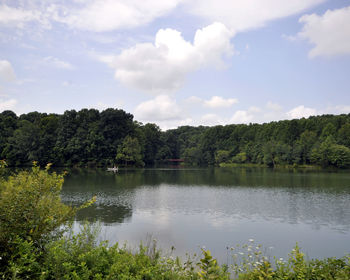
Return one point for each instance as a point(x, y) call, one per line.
point(177, 62)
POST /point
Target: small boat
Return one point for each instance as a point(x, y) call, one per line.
point(113, 169)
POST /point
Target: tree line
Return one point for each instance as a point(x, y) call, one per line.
point(92, 138)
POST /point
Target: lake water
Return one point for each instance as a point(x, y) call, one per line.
point(218, 208)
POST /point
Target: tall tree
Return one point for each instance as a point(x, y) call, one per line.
point(129, 152)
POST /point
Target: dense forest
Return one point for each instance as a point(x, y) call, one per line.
point(92, 138)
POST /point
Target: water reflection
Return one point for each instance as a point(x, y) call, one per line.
point(218, 207)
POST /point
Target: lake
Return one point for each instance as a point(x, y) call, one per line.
point(218, 208)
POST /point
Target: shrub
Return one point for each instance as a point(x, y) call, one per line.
point(31, 213)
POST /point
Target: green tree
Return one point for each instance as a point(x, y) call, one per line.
point(339, 156)
point(328, 130)
point(31, 208)
point(193, 156)
point(31, 211)
point(240, 158)
point(129, 152)
point(151, 136)
point(22, 148)
point(302, 147)
point(330, 153)
point(222, 156)
point(344, 135)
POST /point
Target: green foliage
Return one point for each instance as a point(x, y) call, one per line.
point(31, 215)
point(24, 261)
point(209, 268)
point(192, 155)
point(31, 208)
point(222, 156)
point(344, 135)
point(79, 257)
point(151, 142)
point(331, 154)
point(92, 138)
point(298, 268)
point(129, 152)
point(240, 158)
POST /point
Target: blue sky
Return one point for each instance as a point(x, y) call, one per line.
point(177, 62)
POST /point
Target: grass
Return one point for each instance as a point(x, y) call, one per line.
point(80, 256)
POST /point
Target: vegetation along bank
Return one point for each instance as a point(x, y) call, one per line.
point(93, 138)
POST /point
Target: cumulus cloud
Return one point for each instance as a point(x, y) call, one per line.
point(245, 15)
point(329, 33)
point(7, 73)
point(90, 15)
point(108, 15)
point(220, 102)
point(342, 109)
point(242, 116)
point(168, 113)
point(215, 102)
point(164, 111)
point(7, 104)
point(103, 106)
point(161, 108)
point(194, 100)
point(338, 109)
point(19, 16)
point(162, 66)
point(211, 119)
point(15, 16)
point(273, 106)
point(55, 62)
point(301, 112)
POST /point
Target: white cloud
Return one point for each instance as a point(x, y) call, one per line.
point(103, 106)
point(342, 109)
point(273, 106)
point(19, 16)
point(7, 104)
point(108, 15)
point(7, 73)
point(161, 108)
point(220, 102)
point(215, 102)
point(15, 16)
point(211, 119)
point(329, 33)
point(338, 109)
point(254, 109)
point(194, 100)
point(164, 111)
point(55, 62)
point(301, 112)
point(273, 111)
point(242, 116)
point(248, 14)
point(162, 67)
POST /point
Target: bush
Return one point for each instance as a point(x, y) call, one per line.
point(31, 213)
point(79, 257)
point(298, 268)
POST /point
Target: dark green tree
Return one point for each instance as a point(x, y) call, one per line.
point(129, 152)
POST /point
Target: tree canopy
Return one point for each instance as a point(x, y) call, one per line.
point(92, 138)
